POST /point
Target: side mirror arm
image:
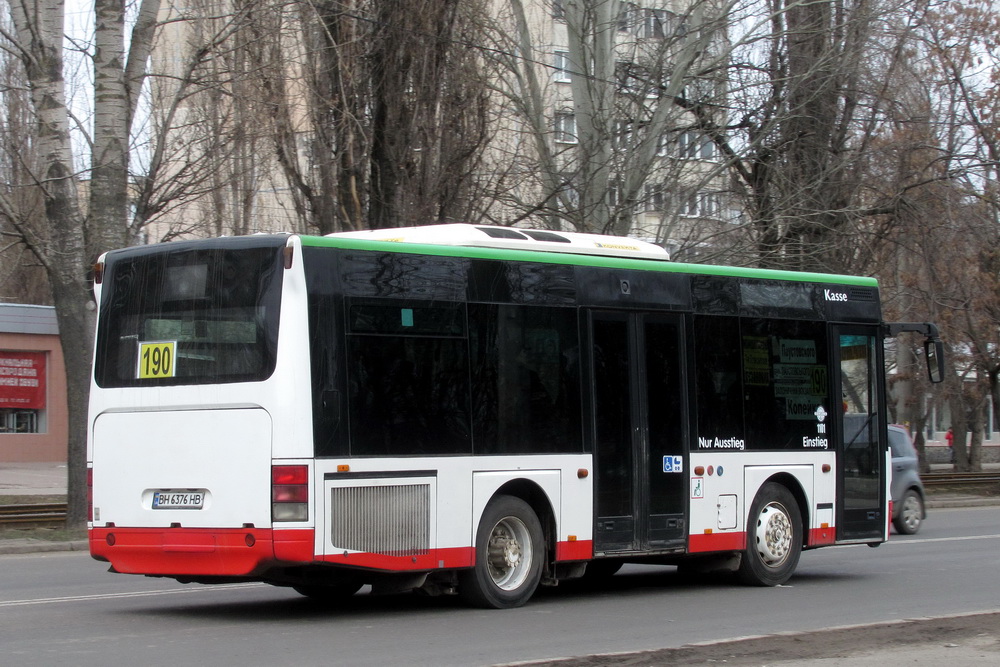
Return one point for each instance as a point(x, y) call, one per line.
point(933, 347)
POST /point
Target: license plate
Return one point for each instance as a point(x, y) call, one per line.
point(178, 500)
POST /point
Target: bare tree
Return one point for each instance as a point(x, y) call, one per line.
point(604, 116)
point(21, 277)
point(944, 167)
point(65, 236)
point(384, 118)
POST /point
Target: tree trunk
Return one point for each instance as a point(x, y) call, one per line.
point(109, 170)
point(960, 432)
point(76, 316)
point(71, 243)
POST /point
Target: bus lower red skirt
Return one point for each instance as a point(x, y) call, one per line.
point(199, 552)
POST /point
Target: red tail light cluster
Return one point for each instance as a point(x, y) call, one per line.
point(290, 493)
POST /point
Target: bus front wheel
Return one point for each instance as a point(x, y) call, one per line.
point(509, 552)
point(774, 538)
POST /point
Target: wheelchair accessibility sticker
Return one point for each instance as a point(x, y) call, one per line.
point(673, 464)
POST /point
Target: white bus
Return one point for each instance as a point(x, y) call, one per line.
point(476, 410)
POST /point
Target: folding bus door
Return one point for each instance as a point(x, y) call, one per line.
point(860, 437)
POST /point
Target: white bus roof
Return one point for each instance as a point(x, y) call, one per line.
point(514, 238)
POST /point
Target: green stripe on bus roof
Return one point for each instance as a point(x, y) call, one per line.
point(574, 259)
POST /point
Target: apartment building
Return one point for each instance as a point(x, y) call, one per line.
point(598, 112)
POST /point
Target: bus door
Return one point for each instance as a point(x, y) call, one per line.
point(859, 436)
point(640, 429)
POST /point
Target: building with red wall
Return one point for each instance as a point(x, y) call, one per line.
point(33, 416)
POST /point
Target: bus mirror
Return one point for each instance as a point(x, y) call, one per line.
point(934, 353)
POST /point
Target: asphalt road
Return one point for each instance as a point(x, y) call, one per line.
point(64, 608)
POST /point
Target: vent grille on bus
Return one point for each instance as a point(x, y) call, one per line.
point(861, 294)
point(387, 520)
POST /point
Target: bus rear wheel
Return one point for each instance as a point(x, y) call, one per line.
point(774, 538)
point(509, 552)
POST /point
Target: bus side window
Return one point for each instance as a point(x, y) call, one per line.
point(718, 382)
point(408, 379)
point(786, 381)
point(525, 379)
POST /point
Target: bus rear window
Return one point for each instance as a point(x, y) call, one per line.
point(188, 314)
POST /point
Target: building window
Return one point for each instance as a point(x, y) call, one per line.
point(623, 137)
point(616, 194)
point(654, 198)
point(565, 128)
point(19, 421)
point(558, 11)
point(698, 204)
point(561, 67)
point(656, 23)
point(664, 145)
point(568, 197)
point(701, 89)
point(628, 16)
point(695, 145)
point(637, 80)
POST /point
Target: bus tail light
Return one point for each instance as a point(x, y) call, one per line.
point(290, 493)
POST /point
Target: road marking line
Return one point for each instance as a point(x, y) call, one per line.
point(922, 540)
point(114, 596)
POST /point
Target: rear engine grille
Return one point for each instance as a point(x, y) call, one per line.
point(392, 520)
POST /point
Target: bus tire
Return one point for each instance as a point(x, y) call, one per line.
point(774, 538)
point(510, 547)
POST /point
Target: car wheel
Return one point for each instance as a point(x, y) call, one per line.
point(509, 552)
point(911, 513)
point(774, 538)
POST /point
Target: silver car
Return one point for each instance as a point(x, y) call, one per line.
point(907, 490)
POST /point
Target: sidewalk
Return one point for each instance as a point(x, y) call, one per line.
point(32, 479)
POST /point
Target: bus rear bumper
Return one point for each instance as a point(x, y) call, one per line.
point(199, 551)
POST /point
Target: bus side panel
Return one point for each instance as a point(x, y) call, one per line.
point(721, 500)
point(422, 514)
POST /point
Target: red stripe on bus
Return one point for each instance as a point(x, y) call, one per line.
point(431, 560)
point(819, 537)
point(183, 551)
point(717, 542)
point(575, 550)
point(295, 544)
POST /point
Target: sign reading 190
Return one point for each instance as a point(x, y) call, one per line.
point(156, 360)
